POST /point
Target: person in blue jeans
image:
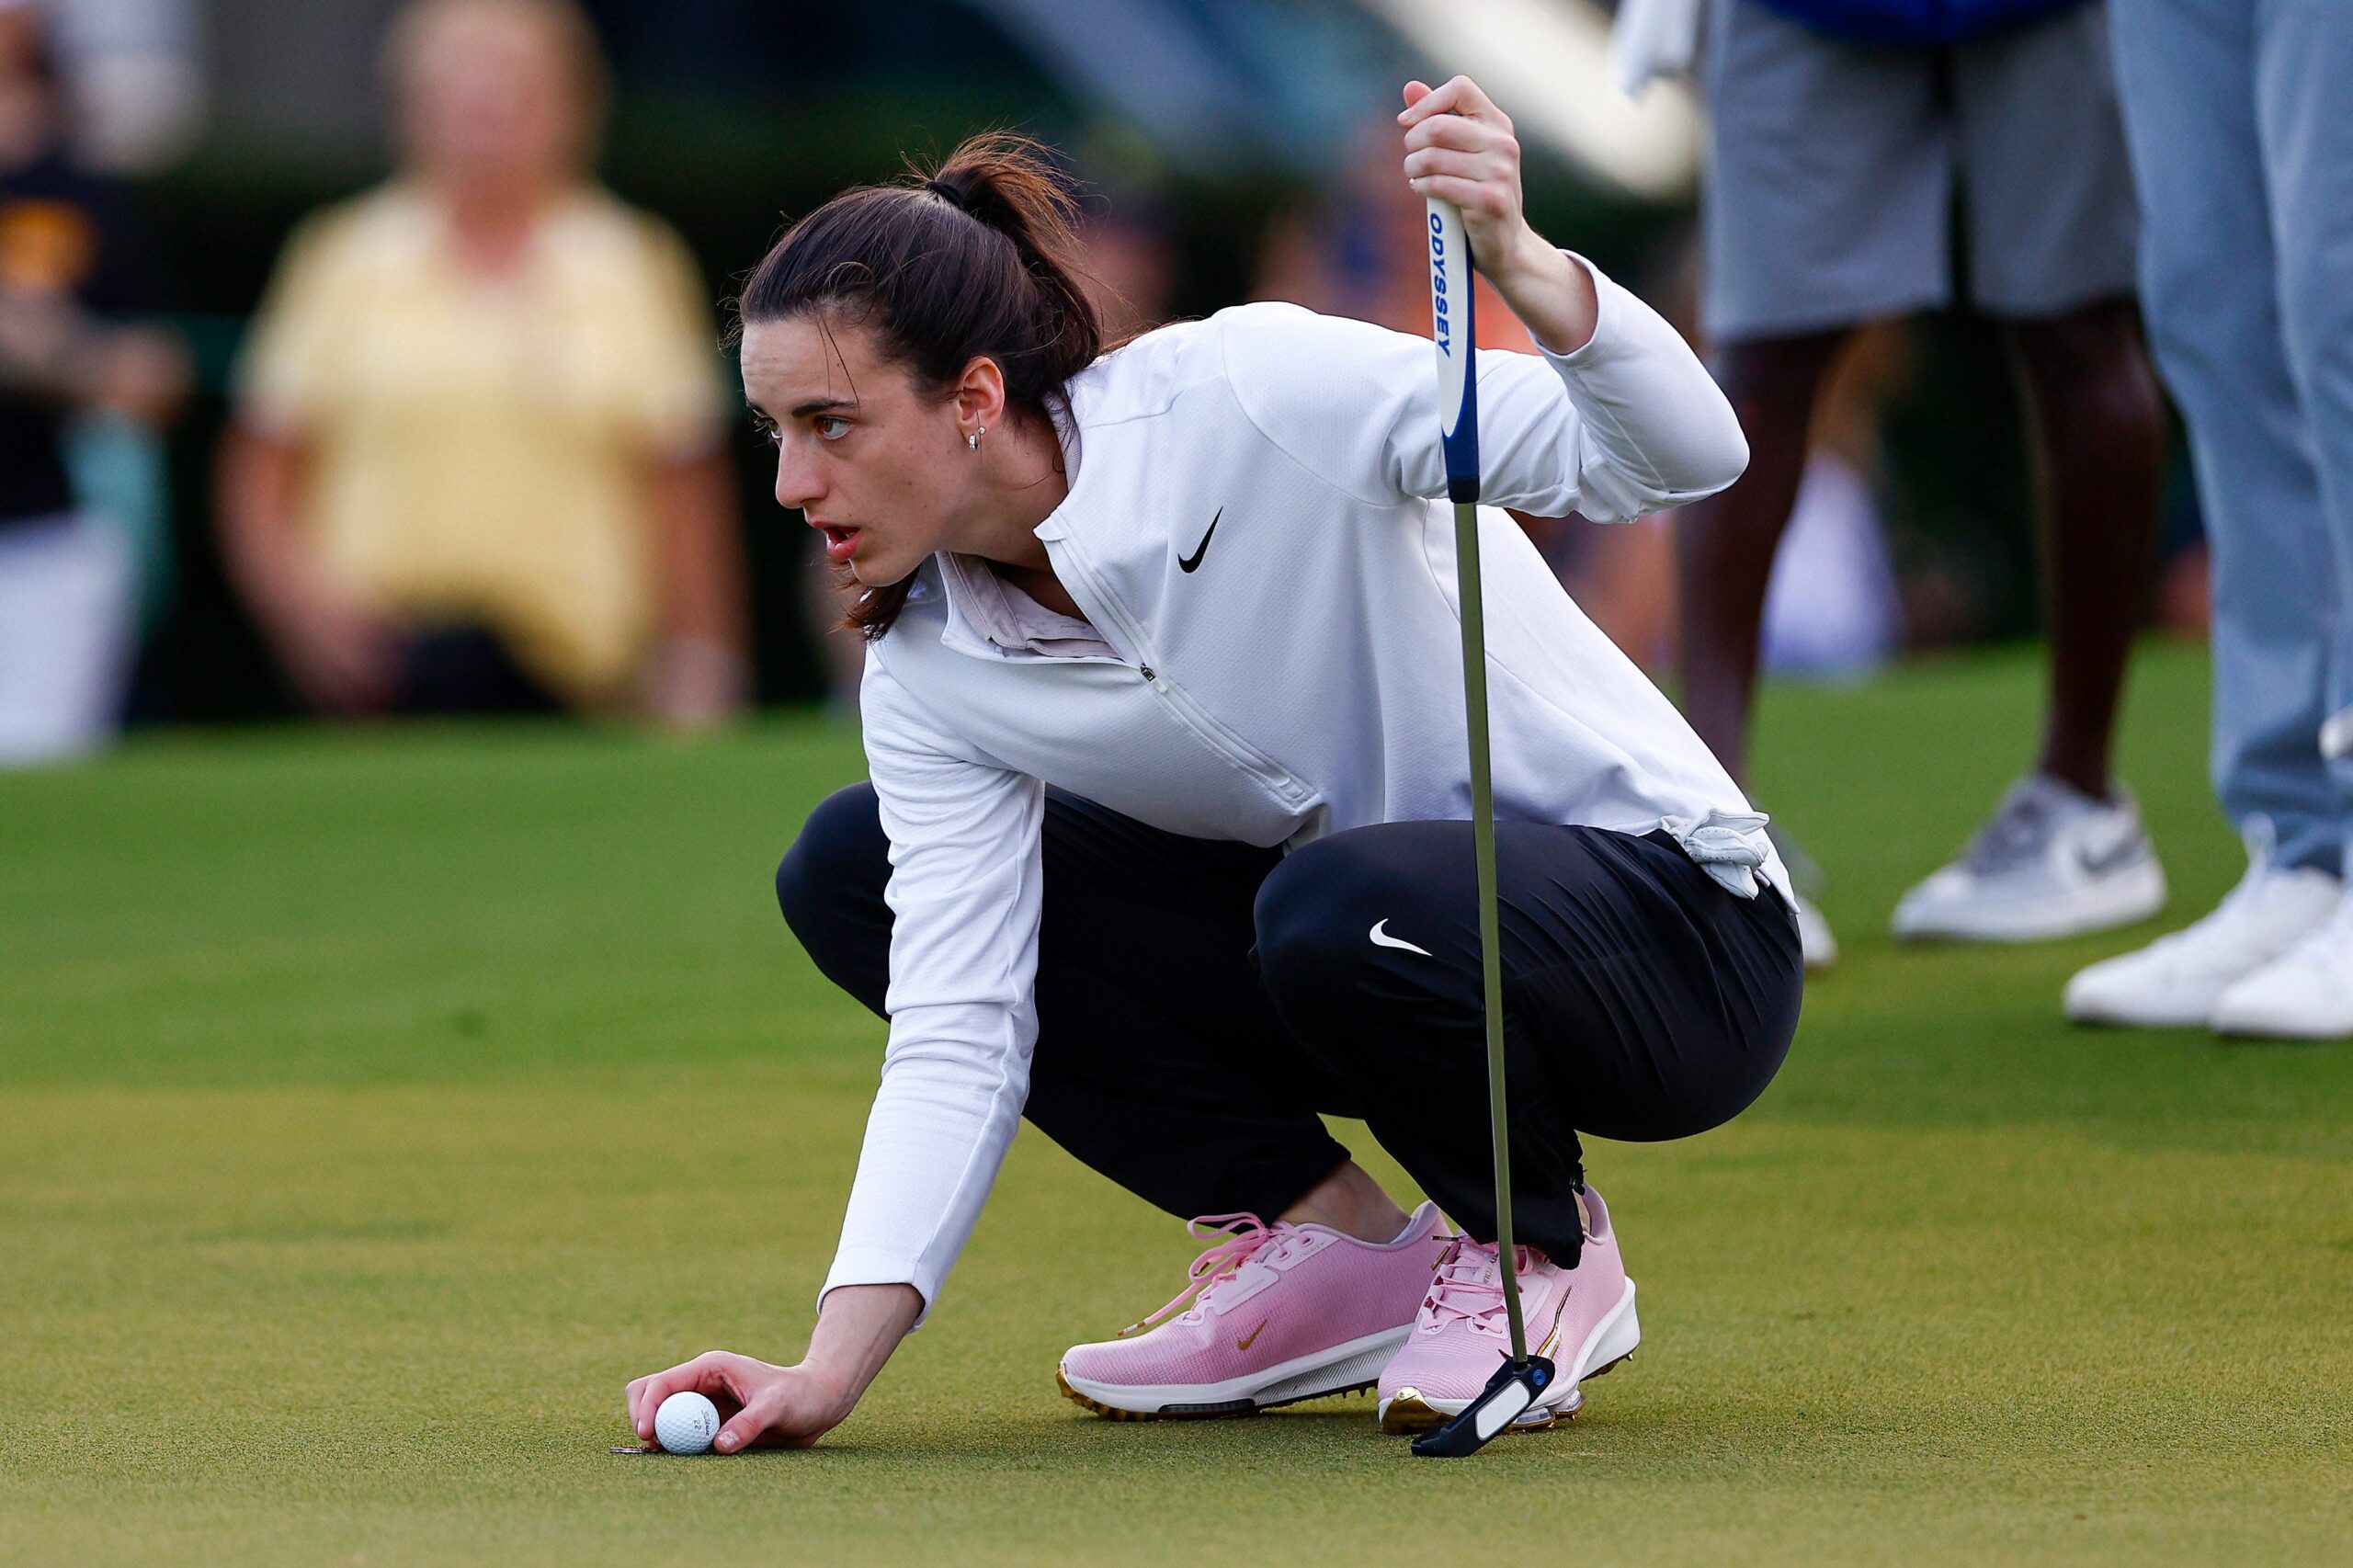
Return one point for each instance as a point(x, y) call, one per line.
point(2239, 116)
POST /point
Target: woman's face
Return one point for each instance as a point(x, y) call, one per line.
point(487, 100)
point(882, 471)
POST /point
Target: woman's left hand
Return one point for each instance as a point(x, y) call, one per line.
point(1460, 148)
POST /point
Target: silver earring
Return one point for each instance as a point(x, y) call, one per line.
point(973, 440)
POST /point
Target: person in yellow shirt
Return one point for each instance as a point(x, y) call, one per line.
point(476, 460)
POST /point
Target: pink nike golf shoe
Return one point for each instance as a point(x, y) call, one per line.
point(1269, 1316)
point(1582, 1318)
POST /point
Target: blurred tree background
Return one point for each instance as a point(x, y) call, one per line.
point(1217, 116)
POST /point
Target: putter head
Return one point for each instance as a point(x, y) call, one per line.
point(1513, 1389)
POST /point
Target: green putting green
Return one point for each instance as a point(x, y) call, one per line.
point(372, 1106)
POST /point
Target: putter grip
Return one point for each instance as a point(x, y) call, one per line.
point(1452, 324)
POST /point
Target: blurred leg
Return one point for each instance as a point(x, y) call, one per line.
point(1825, 203)
point(2304, 122)
point(2304, 108)
point(2209, 284)
point(1725, 545)
point(2051, 232)
point(2101, 432)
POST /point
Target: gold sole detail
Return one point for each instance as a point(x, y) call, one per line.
point(1409, 1412)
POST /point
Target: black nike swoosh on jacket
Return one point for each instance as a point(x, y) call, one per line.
point(1189, 562)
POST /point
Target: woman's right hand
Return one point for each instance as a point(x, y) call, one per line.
point(762, 1405)
point(790, 1407)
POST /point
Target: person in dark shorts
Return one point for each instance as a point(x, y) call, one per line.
point(1842, 130)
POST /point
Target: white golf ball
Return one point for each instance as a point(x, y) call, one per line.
point(686, 1424)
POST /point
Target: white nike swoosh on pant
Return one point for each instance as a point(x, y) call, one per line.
point(1382, 940)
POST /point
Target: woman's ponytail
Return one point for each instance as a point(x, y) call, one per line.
point(1006, 182)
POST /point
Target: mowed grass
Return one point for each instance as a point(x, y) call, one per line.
point(372, 1106)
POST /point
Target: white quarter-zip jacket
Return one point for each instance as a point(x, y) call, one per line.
point(1257, 531)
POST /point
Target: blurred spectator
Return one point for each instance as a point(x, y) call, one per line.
point(1833, 610)
point(477, 465)
point(136, 78)
point(2241, 119)
point(70, 260)
point(1839, 130)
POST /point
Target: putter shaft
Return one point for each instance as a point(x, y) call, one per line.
point(1482, 838)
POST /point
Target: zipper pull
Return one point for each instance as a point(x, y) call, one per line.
point(1147, 671)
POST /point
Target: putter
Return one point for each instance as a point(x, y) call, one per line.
point(1519, 1381)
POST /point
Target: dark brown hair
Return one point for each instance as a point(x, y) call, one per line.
point(977, 258)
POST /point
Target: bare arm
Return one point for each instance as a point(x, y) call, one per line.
point(258, 485)
point(340, 653)
point(700, 672)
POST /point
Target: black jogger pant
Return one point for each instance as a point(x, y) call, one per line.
point(1200, 1002)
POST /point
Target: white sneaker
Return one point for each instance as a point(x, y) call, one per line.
point(2305, 994)
point(2050, 862)
point(1821, 949)
point(2178, 981)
